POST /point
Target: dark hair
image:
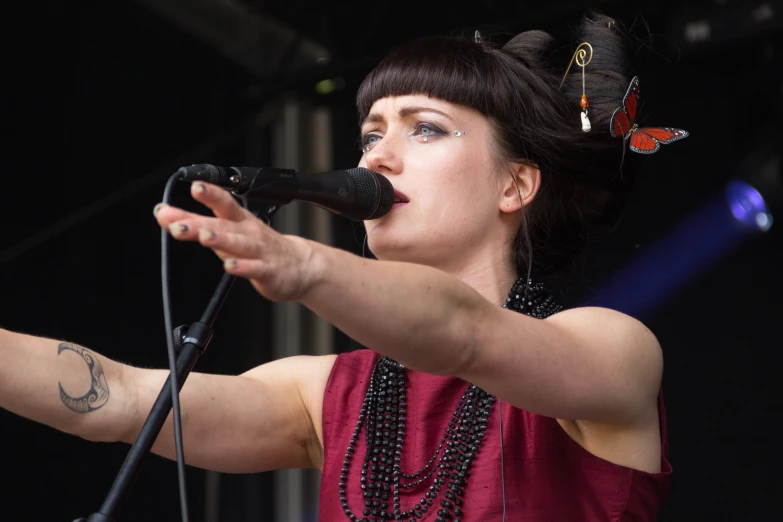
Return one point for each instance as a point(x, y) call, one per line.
point(582, 189)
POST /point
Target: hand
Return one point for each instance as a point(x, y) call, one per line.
point(280, 267)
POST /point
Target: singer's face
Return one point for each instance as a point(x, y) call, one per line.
point(439, 156)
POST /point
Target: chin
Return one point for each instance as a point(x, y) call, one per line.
point(396, 240)
point(386, 252)
point(388, 247)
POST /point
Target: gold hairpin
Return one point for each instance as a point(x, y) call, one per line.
point(582, 59)
point(579, 55)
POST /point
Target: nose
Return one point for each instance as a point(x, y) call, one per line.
point(384, 157)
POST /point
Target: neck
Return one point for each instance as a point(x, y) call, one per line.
point(490, 271)
point(491, 276)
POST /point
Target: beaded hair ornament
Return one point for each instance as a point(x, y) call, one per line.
point(582, 59)
point(644, 140)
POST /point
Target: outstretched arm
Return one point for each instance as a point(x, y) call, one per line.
point(267, 418)
point(584, 364)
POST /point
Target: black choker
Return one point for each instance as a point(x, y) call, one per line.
point(383, 412)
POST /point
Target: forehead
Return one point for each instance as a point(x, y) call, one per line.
point(391, 106)
point(394, 103)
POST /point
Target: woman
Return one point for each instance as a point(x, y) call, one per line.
point(462, 409)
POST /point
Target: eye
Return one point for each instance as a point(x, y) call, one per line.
point(427, 130)
point(367, 141)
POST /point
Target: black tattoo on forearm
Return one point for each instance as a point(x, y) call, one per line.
point(98, 394)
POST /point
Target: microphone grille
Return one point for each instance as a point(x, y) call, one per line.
point(374, 195)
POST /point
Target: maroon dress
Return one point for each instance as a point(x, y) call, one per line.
point(548, 476)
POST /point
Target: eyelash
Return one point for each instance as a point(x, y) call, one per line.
point(436, 131)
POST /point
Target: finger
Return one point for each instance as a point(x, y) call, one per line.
point(220, 201)
point(254, 269)
point(231, 244)
point(188, 229)
point(183, 231)
point(222, 255)
point(166, 214)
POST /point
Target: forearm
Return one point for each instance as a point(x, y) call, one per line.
point(417, 315)
point(63, 385)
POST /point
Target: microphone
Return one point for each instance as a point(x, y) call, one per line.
point(356, 194)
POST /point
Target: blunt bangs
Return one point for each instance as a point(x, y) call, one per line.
point(451, 69)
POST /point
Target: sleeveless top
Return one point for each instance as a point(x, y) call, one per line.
point(548, 476)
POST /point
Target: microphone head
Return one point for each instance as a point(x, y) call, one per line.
point(374, 195)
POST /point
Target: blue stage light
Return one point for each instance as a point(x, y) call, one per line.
point(747, 205)
point(701, 239)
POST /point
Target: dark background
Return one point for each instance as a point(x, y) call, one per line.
point(99, 95)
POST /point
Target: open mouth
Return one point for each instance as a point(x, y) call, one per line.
point(399, 197)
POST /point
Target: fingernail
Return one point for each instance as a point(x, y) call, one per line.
point(157, 208)
point(205, 234)
point(177, 229)
point(199, 187)
point(231, 263)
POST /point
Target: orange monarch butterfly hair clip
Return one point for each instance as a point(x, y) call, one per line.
point(644, 140)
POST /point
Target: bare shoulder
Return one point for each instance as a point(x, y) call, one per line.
point(303, 377)
point(614, 334)
point(604, 321)
point(636, 443)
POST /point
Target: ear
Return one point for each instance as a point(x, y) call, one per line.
point(522, 179)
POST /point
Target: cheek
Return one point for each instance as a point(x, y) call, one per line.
point(465, 188)
point(457, 207)
point(450, 171)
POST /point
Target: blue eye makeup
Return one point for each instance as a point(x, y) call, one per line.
point(428, 130)
point(423, 131)
point(367, 141)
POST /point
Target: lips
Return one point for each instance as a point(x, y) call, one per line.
point(399, 197)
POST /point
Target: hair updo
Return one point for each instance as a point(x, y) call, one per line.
point(534, 121)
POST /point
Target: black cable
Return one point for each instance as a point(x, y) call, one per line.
point(164, 262)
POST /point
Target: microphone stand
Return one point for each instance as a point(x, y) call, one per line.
point(191, 342)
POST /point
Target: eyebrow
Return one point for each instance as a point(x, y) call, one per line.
point(404, 112)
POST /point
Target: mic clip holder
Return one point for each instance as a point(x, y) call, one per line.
point(199, 339)
point(263, 209)
point(278, 186)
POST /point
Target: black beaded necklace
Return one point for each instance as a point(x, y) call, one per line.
point(383, 417)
